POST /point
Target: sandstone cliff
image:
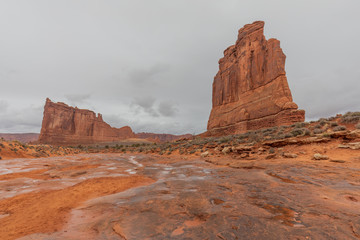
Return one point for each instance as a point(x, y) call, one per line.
point(63, 124)
point(250, 91)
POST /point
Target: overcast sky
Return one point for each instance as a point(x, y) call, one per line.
point(150, 64)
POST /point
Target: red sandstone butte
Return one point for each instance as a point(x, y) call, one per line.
point(251, 91)
point(63, 124)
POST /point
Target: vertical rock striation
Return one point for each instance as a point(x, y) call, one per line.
point(63, 124)
point(250, 90)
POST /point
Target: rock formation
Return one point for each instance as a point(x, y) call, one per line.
point(21, 137)
point(250, 91)
point(63, 124)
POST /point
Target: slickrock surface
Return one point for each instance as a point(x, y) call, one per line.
point(174, 197)
point(63, 124)
point(250, 91)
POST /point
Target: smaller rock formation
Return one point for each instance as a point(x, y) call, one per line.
point(21, 137)
point(65, 125)
point(250, 91)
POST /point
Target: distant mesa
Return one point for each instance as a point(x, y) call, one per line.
point(250, 90)
point(158, 137)
point(66, 125)
point(21, 137)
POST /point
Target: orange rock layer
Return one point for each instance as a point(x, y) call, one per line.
point(63, 124)
point(251, 91)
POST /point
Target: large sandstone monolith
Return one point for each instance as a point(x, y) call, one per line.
point(250, 91)
point(65, 125)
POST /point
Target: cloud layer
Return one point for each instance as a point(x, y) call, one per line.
point(150, 64)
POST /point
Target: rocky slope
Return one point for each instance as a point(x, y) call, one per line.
point(250, 91)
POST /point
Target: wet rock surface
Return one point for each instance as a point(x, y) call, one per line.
point(212, 198)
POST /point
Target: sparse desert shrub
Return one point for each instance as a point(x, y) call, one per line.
point(318, 131)
point(255, 138)
point(351, 117)
point(322, 121)
point(318, 126)
point(339, 128)
point(2, 145)
point(288, 135)
point(280, 135)
point(334, 124)
point(272, 150)
point(357, 126)
point(225, 139)
point(306, 132)
point(297, 132)
point(299, 125)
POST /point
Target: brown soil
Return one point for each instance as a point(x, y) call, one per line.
point(48, 211)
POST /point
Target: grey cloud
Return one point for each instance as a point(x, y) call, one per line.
point(108, 55)
point(145, 104)
point(167, 109)
point(75, 99)
point(3, 106)
point(115, 120)
point(140, 76)
point(26, 119)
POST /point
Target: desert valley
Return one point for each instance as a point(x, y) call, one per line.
point(260, 171)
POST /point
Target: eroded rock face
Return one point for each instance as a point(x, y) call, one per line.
point(63, 124)
point(250, 91)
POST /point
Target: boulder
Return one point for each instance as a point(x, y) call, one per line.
point(318, 156)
